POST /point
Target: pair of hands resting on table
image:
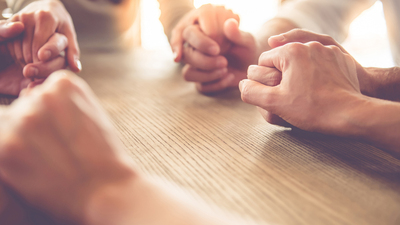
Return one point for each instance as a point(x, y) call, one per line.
point(216, 52)
point(60, 153)
point(31, 43)
point(309, 81)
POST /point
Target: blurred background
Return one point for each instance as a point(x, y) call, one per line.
point(367, 40)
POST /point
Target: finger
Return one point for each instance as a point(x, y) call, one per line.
point(203, 62)
point(260, 95)
point(19, 55)
point(208, 21)
point(44, 69)
point(177, 44)
point(201, 42)
point(302, 36)
point(276, 57)
point(195, 75)
point(264, 75)
point(27, 38)
point(238, 37)
point(45, 26)
point(273, 119)
point(177, 41)
point(10, 30)
point(53, 47)
point(10, 48)
point(73, 52)
point(219, 85)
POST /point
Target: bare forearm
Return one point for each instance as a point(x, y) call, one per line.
point(144, 201)
point(378, 122)
point(384, 83)
point(172, 11)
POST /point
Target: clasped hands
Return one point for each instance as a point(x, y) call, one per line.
point(32, 43)
point(216, 52)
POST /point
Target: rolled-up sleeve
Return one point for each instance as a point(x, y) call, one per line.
point(331, 17)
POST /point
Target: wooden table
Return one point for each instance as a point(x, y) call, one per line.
point(222, 150)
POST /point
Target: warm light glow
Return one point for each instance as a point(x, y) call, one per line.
point(367, 40)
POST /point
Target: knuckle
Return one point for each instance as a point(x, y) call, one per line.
point(43, 15)
point(65, 83)
point(328, 39)
point(25, 17)
point(315, 45)
point(296, 49)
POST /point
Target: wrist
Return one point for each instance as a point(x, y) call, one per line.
point(110, 203)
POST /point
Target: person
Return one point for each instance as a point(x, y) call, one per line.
point(46, 159)
point(309, 81)
point(214, 72)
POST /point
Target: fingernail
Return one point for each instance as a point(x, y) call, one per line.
point(278, 37)
point(175, 55)
point(78, 64)
point(213, 50)
point(46, 55)
point(33, 71)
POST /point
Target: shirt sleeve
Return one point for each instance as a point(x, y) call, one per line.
point(172, 11)
point(331, 17)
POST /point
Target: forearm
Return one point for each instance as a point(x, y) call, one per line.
point(272, 27)
point(172, 11)
point(378, 122)
point(143, 201)
point(383, 83)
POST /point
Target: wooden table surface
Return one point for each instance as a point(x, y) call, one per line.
point(222, 150)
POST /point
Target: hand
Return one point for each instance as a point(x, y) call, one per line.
point(217, 73)
point(42, 19)
point(319, 86)
point(57, 146)
point(203, 29)
point(367, 84)
point(12, 80)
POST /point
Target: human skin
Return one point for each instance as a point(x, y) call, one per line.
point(12, 80)
point(214, 72)
point(42, 19)
point(381, 83)
point(320, 92)
point(60, 153)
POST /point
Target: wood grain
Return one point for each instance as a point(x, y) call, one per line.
point(220, 149)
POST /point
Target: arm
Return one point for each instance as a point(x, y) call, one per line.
point(376, 121)
point(94, 180)
point(172, 11)
point(384, 83)
point(320, 92)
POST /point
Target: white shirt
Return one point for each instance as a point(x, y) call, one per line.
point(333, 17)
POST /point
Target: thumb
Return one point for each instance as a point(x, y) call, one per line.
point(10, 30)
point(236, 36)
